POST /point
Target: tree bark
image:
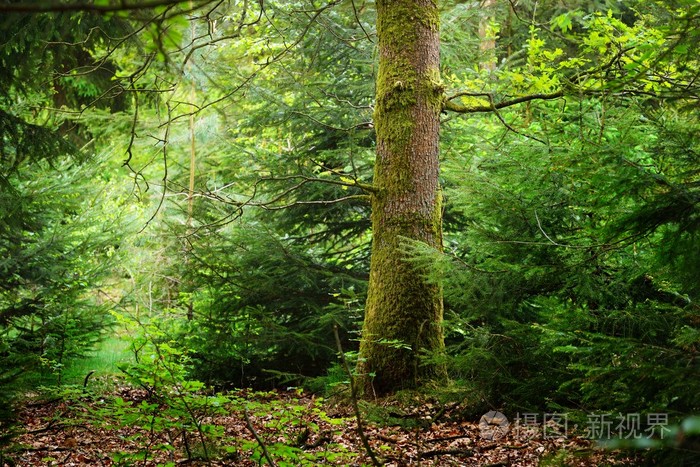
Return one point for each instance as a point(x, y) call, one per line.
point(403, 314)
point(487, 43)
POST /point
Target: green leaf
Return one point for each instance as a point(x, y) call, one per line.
point(563, 22)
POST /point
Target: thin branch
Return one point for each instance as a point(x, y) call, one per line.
point(122, 5)
point(165, 172)
point(355, 405)
point(251, 428)
point(446, 452)
point(302, 203)
point(471, 266)
point(270, 205)
point(346, 101)
point(130, 146)
point(354, 184)
point(605, 246)
point(359, 126)
point(454, 107)
point(539, 226)
point(357, 18)
point(507, 125)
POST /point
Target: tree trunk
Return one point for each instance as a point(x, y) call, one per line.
point(403, 314)
point(487, 42)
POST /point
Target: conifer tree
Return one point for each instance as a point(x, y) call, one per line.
point(403, 314)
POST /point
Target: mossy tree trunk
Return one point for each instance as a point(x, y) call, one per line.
point(403, 314)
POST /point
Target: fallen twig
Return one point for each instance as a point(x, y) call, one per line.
point(447, 438)
point(251, 428)
point(353, 396)
point(445, 452)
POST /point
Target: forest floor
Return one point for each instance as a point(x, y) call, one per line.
point(127, 427)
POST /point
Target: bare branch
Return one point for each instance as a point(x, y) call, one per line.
point(263, 447)
point(165, 141)
point(122, 5)
point(357, 18)
point(465, 109)
point(304, 179)
point(507, 125)
point(354, 397)
point(267, 207)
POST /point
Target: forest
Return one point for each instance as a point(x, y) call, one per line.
point(349, 232)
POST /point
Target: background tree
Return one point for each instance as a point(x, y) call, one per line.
point(60, 218)
point(278, 239)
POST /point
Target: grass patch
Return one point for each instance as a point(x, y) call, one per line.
point(103, 361)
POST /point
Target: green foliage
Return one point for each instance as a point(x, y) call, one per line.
point(57, 241)
point(678, 447)
point(246, 335)
point(176, 412)
point(175, 406)
point(255, 298)
point(59, 218)
point(567, 266)
point(56, 46)
point(571, 226)
point(55, 249)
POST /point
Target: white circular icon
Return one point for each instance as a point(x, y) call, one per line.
point(493, 425)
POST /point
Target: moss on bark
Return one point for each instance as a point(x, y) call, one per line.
point(403, 314)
